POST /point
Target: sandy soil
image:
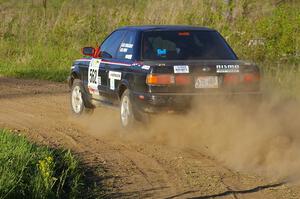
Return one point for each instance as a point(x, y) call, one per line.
point(135, 165)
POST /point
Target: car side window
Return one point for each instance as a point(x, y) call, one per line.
point(110, 46)
point(125, 50)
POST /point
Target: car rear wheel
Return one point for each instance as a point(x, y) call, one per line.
point(79, 102)
point(126, 111)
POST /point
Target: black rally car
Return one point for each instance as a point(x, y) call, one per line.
point(150, 69)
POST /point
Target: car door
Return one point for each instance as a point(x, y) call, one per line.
point(97, 69)
point(119, 62)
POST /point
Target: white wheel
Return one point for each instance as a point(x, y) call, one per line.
point(79, 101)
point(126, 112)
point(76, 100)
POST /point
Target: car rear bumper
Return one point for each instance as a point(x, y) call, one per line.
point(178, 102)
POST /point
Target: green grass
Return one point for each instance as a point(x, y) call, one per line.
point(283, 81)
point(31, 171)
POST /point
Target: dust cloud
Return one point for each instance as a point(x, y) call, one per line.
point(263, 138)
point(102, 122)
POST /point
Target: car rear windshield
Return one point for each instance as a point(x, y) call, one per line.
point(183, 45)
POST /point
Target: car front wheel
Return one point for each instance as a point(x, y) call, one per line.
point(79, 103)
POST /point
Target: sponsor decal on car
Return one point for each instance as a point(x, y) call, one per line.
point(99, 80)
point(227, 68)
point(112, 84)
point(123, 50)
point(181, 69)
point(146, 67)
point(92, 91)
point(161, 52)
point(126, 45)
point(128, 56)
point(113, 75)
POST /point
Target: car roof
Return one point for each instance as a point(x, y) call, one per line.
point(164, 27)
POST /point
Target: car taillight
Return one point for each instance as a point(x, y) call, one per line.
point(231, 79)
point(182, 79)
point(251, 77)
point(160, 79)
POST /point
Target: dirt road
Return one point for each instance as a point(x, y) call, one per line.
point(133, 166)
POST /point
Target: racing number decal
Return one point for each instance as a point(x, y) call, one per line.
point(93, 79)
point(93, 76)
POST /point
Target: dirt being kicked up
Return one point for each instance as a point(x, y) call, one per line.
point(216, 151)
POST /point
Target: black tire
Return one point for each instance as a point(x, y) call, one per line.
point(79, 99)
point(127, 113)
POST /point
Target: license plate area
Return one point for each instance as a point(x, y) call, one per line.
point(207, 82)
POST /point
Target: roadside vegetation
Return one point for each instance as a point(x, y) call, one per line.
point(31, 171)
point(40, 38)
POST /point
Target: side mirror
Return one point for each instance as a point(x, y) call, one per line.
point(88, 51)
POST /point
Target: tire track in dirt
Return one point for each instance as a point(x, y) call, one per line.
point(127, 167)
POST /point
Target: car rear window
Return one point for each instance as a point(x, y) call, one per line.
point(182, 45)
